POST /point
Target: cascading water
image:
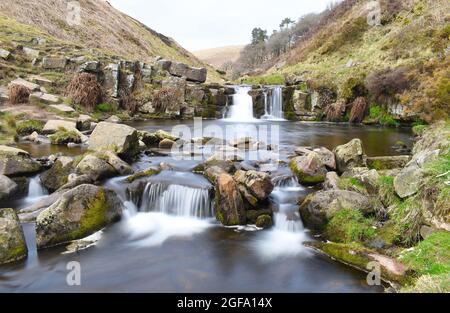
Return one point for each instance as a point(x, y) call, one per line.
point(242, 108)
point(35, 190)
point(274, 104)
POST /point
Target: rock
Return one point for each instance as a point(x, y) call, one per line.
point(40, 80)
point(164, 65)
point(319, 208)
point(258, 184)
point(45, 97)
point(4, 54)
point(57, 175)
point(90, 67)
point(16, 162)
point(327, 157)
point(39, 41)
point(427, 231)
point(112, 79)
point(95, 167)
point(149, 139)
point(350, 155)
point(388, 162)
point(161, 134)
point(121, 139)
point(52, 126)
point(407, 183)
point(54, 63)
point(114, 119)
point(84, 122)
point(120, 166)
point(369, 178)
point(62, 108)
point(147, 108)
point(22, 82)
point(8, 188)
point(12, 240)
point(31, 53)
point(78, 213)
point(230, 209)
point(166, 144)
point(191, 73)
point(331, 181)
point(309, 169)
point(264, 221)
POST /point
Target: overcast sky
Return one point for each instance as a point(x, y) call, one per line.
point(203, 24)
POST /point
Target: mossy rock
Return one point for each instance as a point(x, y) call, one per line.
point(143, 174)
point(28, 127)
point(63, 137)
point(12, 240)
point(349, 225)
point(264, 221)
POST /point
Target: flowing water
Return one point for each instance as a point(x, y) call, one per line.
point(242, 108)
point(273, 104)
point(169, 241)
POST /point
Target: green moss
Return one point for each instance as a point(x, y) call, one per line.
point(103, 107)
point(63, 137)
point(431, 256)
point(146, 173)
point(386, 191)
point(351, 184)
point(349, 225)
point(28, 127)
point(389, 233)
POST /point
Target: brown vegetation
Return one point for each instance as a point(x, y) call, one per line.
point(165, 98)
point(334, 112)
point(85, 90)
point(18, 94)
point(359, 110)
point(387, 83)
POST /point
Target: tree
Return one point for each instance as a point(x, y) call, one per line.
point(287, 22)
point(258, 36)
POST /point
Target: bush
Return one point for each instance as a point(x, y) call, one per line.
point(85, 90)
point(18, 94)
point(386, 84)
point(349, 225)
point(103, 107)
point(63, 137)
point(359, 110)
point(335, 111)
point(28, 127)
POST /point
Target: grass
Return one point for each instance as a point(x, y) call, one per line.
point(103, 107)
point(7, 128)
point(352, 184)
point(63, 137)
point(378, 114)
point(349, 225)
point(28, 127)
point(271, 79)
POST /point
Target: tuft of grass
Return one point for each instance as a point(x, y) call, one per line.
point(103, 107)
point(352, 184)
point(28, 127)
point(63, 137)
point(349, 225)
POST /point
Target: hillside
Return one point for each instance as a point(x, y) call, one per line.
point(219, 57)
point(400, 65)
point(102, 27)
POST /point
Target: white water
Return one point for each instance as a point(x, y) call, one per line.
point(35, 190)
point(274, 104)
point(242, 108)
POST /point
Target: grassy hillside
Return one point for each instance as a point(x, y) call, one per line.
point(102, 27)
point(218, 57)
point(405, 59)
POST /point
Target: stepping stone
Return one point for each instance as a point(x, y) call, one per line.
point(27, 84)
point(62, 108)
point(46, 97)
point(4, 54)
point(41, 80)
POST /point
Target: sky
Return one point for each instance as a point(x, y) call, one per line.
point(204, 24)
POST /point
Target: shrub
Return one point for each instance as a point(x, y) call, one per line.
point(386, 84)
point(103, 107)
point(63, 137)
point(28, 127)
point(85, 90)
point(18, 94)
point(335, 111)
point(359, 110)
point(165, 98)
point(377, 113)
point(349, 225)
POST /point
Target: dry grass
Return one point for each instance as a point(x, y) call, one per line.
point(165, 98)
point(18, 94)
point(359, 110)
point(334, 112)
point(85, 90)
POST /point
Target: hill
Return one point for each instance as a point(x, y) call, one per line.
point(101, 27)
point(219, 57)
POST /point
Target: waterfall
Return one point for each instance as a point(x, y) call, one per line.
point(242, 108)
point(274, 105)
point(35, 190)
point(177, 200)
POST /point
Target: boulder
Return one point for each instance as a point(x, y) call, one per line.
point(12, 240)
point(258, 184)
point(149, 139)
point(331, 181)
point(350, 155)
point(309, 169)
point(4, 54)
point(95, 167)
point(57, 175)
point(52, 126)
point(8, 188)
point(63, 108)
point(230, 209)
point(16, 162)
point(318, 208)
point(78, 213)
point(90, 67)
point(264, 221)
point(54, 63)
point(161, 135)
point(84, 122)
point(166, 144)
point(46, 98)
point(193, 74)
point(407, 183)
point(114, 119)
point(120, 166)
point(164, 65)
point(26, 84)
point(121, 139)
point(327, 157)
point(388, 162)
point(31, 53)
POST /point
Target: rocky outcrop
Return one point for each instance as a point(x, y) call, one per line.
point(12, 240)
point(54, 63)
point(16, 162)
point(77, 214)
point(309, 168)
point(191, 73)
point(230, 210)
point(319, 208)
point(350, 155)
point(121, 139)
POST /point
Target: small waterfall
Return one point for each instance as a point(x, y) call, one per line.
point(274, 105)
point(177, 200)
point(286, 182)
point(35, 190)
point(242, 108)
